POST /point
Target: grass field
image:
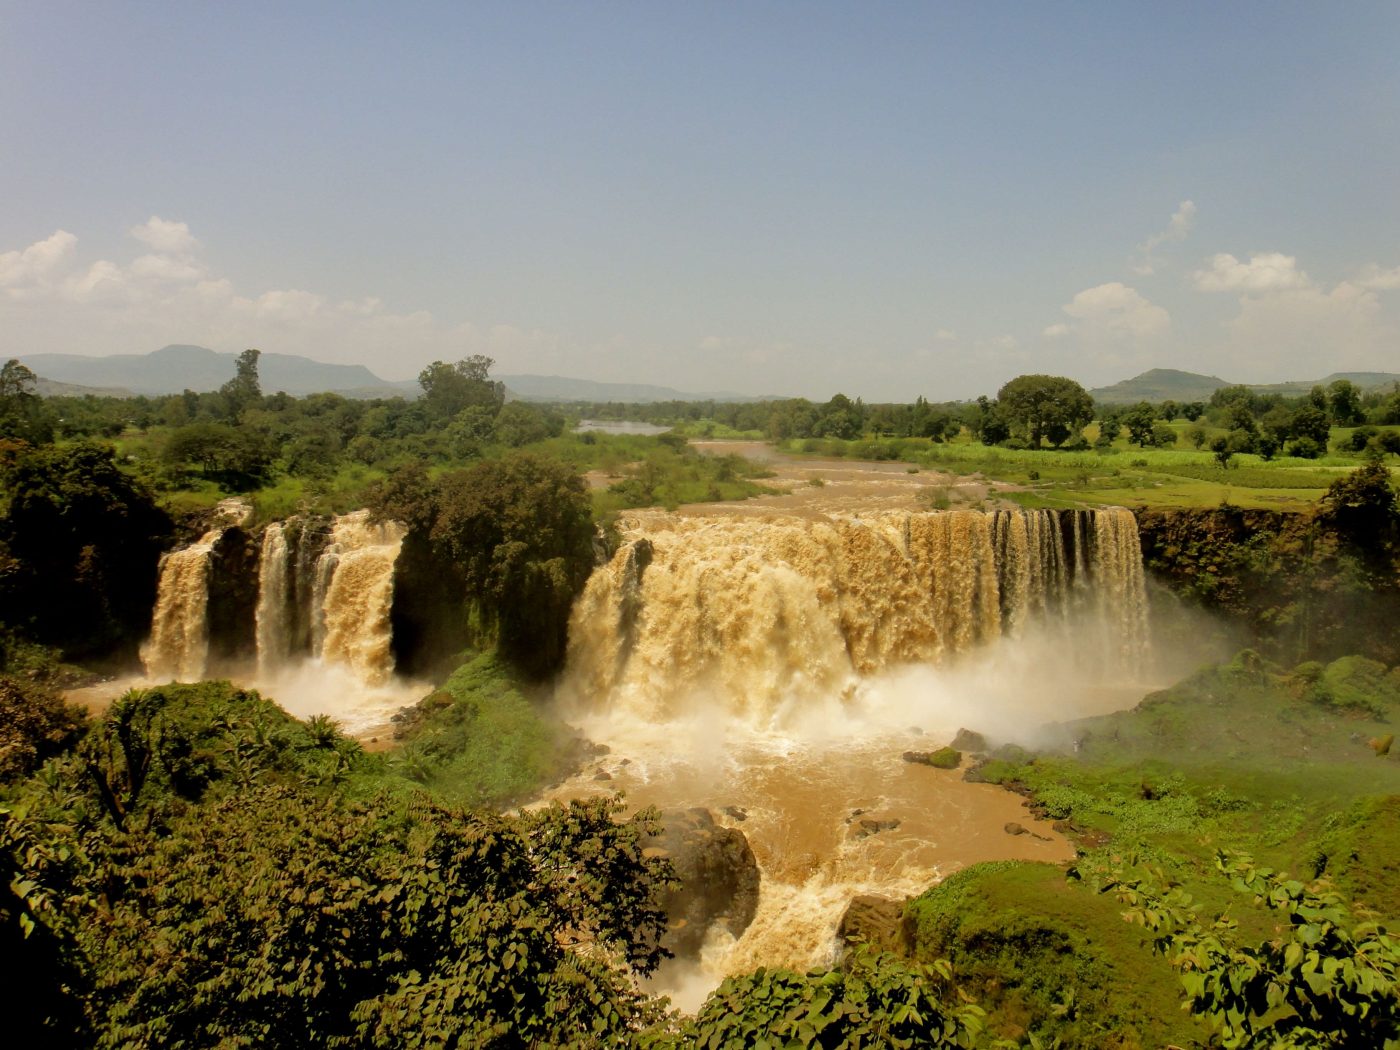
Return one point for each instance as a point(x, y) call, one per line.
point(1120, 474)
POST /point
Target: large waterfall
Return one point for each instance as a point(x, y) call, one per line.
point(775, 670)
point(764, 612)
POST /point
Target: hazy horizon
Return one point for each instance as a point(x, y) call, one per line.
point(778, 199)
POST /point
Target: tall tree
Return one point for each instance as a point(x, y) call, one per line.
point(1046, 406)
point(244, 388)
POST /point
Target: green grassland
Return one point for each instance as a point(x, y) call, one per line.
point(1246, 757)
point(1120, 474)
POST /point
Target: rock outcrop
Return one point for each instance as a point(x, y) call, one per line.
point(718, 878)
point(877, 921)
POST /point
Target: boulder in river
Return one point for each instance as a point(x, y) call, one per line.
point(943, 758)
point(718, 876)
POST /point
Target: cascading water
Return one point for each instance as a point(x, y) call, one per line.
point(354, 593)
point(325, 595)
point(766, 612)
point(322, 617)
point(275, 599)
point(179, 643)
point(774, 668)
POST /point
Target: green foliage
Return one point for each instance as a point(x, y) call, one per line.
point(243, 390)
point(1048, 958)
point(479, 741)
point(513, 537)
point(79, 545)
point(1326, 980)
point(35, 724)
point(1046, 406)
point(448, 389)
point(236, 897)
point(874, 1000)
point(23, 414)
point(158, 749)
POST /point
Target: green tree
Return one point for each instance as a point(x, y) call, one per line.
point(1036, 403)
point(1139, 420)
point(22, 411)
point(447, 389)
point(515, 538)
point(1344, 404)
point(81, 542)
point(244, 389)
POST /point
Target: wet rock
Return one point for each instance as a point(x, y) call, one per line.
point(602, 774)
point(718, 878)
point(1012, 828)
point(877, 921)
point(854, 813)
point(969, 740)
point(943, 758)
point(736, 813)
point(868, 827)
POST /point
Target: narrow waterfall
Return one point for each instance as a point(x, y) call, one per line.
point(763, 612)
point(276, 599)
point(179, 643)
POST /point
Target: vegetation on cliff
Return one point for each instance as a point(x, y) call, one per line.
point(203, 869)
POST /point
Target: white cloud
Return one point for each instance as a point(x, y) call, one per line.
point(1265, 272)
point(1375, 278)
point(946, 335)
point(1298, 327)
point(165, 236)
point(23, 271)
point(1114, 311)
point(1180, 224)
point(1056, 331)
point(51, 300)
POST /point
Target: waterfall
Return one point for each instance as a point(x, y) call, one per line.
point(275, 599)
point(353, 595)
point(178, 646)
point(765, 611)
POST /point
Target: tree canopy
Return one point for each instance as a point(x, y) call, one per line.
point(1046, 407)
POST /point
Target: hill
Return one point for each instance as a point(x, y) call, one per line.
point(1169, 384)
point(1159, 384)
point(175, 368)
point(52, 388)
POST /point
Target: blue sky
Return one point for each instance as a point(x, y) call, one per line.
point(881, 199)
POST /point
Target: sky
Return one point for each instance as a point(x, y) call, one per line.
point(880, 199)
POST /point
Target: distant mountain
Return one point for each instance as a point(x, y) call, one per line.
point(1364, 380)
point(562, 388)
point(52, 388)
point(1168, 384)
point(175, 368)
point(1159, 384)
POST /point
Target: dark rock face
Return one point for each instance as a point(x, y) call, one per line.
point(233, 599)
point(430, 617)
point(969, 740)
point(877, 921)
point(718, 876)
